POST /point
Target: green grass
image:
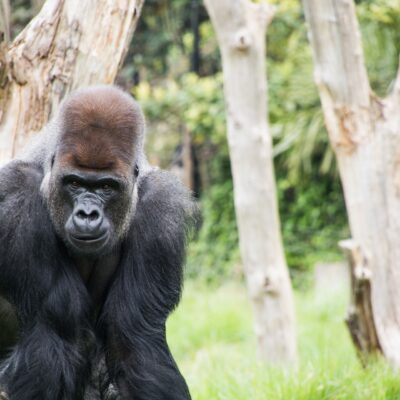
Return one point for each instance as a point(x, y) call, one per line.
point(212, 340)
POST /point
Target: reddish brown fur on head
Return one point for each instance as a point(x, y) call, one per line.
point(102, 128)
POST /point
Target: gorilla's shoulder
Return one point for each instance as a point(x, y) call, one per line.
point(163, 222)
point(163, 193)
point(20, 178)
point(165, 207)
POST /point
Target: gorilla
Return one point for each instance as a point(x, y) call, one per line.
point(92, 242)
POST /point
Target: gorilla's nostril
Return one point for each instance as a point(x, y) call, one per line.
point(94, 215)
point(81, 214)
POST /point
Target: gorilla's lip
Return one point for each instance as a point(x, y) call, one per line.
point(87, 238)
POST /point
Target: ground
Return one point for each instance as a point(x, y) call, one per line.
point(211, 337)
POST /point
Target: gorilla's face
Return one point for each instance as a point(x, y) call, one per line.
point(91, 209)
point(90, 189)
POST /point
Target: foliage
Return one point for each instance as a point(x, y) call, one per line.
point(212, 338)
point(215, 250)
point(295, 113)
point(189, 102)
point(313, 221)
point(196, 104)
point(379, 23)
point(22, 11)
point(301, 149)
point(163, 42)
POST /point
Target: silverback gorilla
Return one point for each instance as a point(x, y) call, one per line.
point(92, 242)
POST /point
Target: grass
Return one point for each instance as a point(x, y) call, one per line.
point(212, 340)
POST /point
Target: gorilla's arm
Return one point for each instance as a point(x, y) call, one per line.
point(46, 292)
point(146, 291)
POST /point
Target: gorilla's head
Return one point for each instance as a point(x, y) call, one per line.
point(91, 188)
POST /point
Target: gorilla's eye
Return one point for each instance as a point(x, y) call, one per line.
point(136, 171)
point(107, 188)
point(71, 182)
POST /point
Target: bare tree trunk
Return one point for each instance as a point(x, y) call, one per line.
point(67, 45)
point(365, 134)
point(241, 28)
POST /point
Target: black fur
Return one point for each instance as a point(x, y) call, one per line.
point(61, 334)
point(146, 289)
point(39, 280)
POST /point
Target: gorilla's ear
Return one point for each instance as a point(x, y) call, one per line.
point(45, 185)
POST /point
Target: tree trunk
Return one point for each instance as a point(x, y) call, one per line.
point(241, 28)
point(365, 134)
point(67, 45)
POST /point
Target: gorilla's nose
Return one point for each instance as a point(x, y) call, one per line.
point(88, 219)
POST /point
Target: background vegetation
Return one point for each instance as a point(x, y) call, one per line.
point(176, 70)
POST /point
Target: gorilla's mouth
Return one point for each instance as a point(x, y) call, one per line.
point(85, 238)
point(87, 243)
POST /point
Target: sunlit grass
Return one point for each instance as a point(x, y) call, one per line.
point(212, 339)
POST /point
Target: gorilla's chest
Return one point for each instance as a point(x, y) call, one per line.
point(97, 275)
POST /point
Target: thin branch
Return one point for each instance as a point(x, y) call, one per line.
point(5, 20)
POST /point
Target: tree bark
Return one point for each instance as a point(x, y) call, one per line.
point(360, 319)
point(67, 45)
point(241, 28)
point(364, 131)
